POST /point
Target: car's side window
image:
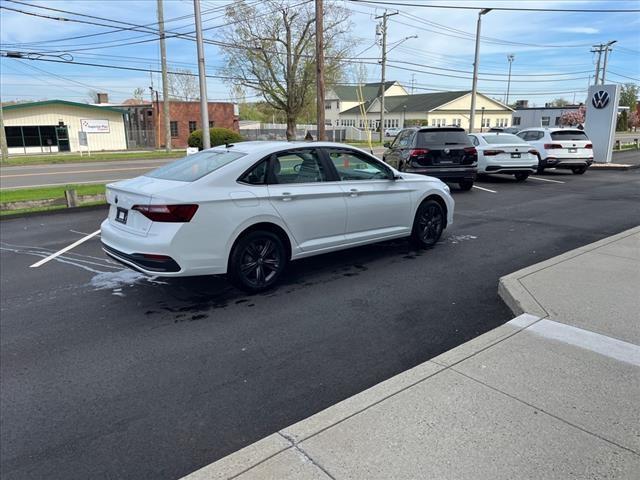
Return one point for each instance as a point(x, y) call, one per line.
point(398, 139)
point(257, 175)
point(474, 140)
point(406, 140)
point(298, 166)
point(356, 166)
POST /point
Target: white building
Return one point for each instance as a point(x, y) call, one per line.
point(55, 126)
point(530, 117)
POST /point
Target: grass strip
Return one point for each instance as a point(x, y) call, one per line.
point(45, 159)
point(46, 193)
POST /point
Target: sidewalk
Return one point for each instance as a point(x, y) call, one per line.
point(551, 394)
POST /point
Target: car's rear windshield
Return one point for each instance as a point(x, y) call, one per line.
point(569, 135)
point(442, 137)
point(193, 167)
point(502, 138)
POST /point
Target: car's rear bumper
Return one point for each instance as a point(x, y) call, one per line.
point(565, 162)
point(510, 169)
point(446, 174)
point(151, 265)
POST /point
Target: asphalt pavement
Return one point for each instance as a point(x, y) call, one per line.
point(105, 374)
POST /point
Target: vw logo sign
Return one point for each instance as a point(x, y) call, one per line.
point(600, 99)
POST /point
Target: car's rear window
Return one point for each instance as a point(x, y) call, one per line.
point(193, 167)
point(569, 135)
point(502, 138)
point(441, 137)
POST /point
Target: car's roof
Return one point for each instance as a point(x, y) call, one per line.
point(493, 134)
point(274, 145)
point(551, 129)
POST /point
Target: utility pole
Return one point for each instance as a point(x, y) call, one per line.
point(413, 81)
point(511, 57)
point(607, 49)
point(204, 104)
point(597, 49)
point(165, 79)
point(383, 62)
point(322, 136)
point(474, 85)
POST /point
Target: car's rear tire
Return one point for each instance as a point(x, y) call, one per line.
point(540, 170)
point(428, 224)
point(521, 176)
point(257, 261)
point(579, 170)
point(466, 185)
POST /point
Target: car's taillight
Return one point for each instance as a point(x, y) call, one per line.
point(492, 153)
point(470, 150)
point(549, 146)
point(167, 213)
point(533, 152)
point(589, 145)
point(416, 152)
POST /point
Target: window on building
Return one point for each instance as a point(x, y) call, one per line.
point(174, 129)
point(557, 121)
point(327, 105)
point(193, 126)
point(516, 121)
point(546, 121)
point(212, 124)
point(31, 136)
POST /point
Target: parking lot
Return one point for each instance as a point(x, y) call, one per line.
point(108, 374)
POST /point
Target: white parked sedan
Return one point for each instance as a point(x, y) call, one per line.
point(249, 208)
point(504, 153)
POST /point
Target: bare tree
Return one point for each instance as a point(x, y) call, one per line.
point(92, 96)
point(183, 85)
point(138, 94)
point(270, 48)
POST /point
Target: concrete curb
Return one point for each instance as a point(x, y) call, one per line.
point(516, 296)
point(290, 437)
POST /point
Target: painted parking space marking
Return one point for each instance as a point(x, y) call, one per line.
point(484, 189)
point(545, 180)
point(65, 249)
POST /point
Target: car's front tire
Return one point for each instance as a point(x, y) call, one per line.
point(579, 170)
point(521, 176)
point(257, 261)
point(428, 224)
point(466, 185)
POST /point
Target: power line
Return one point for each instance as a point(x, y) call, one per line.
point(395, 4)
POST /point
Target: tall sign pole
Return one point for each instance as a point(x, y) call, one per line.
point(474, 84)
point(322, 135)
point(165, 79)
point(607, 49)
point(204, 104)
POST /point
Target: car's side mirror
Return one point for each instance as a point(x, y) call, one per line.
point(386, 144)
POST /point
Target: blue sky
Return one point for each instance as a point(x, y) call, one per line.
point(552, 54)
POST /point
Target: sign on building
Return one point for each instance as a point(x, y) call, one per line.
point(95, 126)
point(600, 121)
point(82, 139)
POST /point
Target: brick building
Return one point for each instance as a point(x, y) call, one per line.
point(185, 118)
point(144, 127)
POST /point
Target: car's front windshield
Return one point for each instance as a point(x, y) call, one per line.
point(193, 167)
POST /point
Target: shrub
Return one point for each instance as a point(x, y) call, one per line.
point(218, 136)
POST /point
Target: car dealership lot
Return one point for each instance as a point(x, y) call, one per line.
point(108, 374)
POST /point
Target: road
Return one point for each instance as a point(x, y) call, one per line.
point(104, 172)
point(105, 374)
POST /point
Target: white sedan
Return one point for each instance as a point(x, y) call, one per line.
point(504, 153)
point(392, 132)
point(249, 208)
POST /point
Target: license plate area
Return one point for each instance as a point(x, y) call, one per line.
point(573, 150)
point(121, 215)
point(515, 155)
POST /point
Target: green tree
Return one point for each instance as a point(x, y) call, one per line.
point(629, 96)
point(559, 102)
point(622, 125)
point(269, 47)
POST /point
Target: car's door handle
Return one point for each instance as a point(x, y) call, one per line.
point(286, 197)
point(353, 192)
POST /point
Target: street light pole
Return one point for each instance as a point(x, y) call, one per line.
point(320, 117)
point(511, 58)
point(165, 80)
point(204, 104)
point(474, 85)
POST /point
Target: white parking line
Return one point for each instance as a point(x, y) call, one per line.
point(484, 189)
point(546, 180)
point(65, 249)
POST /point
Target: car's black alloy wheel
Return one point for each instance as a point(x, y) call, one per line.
point(521, 176)
point(579, 170)
point(257, 261)
point(466, 185)
point(428, 224)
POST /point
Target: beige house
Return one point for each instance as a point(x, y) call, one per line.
point(341, 98)
point(432, 109)
point(55, 126)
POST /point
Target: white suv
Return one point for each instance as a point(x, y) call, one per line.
point(560, 148)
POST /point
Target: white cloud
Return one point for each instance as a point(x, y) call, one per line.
point(587, 30)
